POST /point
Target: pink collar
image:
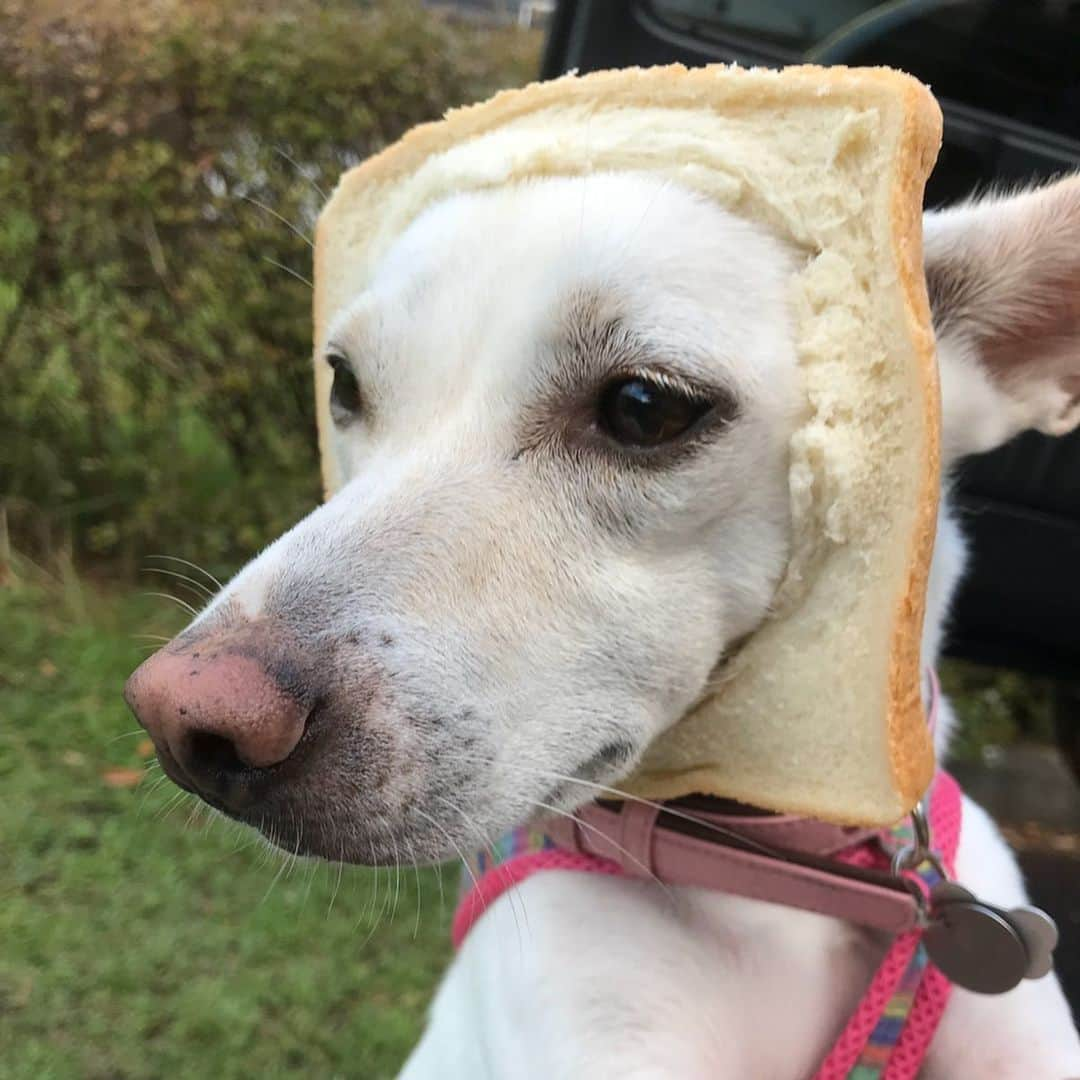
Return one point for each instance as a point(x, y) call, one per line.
point(799, 862)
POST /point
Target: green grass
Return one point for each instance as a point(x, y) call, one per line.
point(138, 941)
point(142, 940)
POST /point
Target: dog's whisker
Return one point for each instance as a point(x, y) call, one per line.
point(174, 800)
point(266, 842)
point(175, 599)
point(340, 873)
point(468, 867)
point(289, 270)
point(185, 798)
point(153, 789)
point(453, 844)
point(377, 915)
point(300, 171)
point(388, 900)
point(513, 897)
point(241, 841)
point(619, 847)
point(280, 217)
point(194, 595)
point(313, 869)
point(291, 856)
point(370, 905)
point(419, 889)
point(397, 877)
point(194, 566)
point(299, 842)
point(439, 883)
point(245, 839)
point(209, 819)
point(384, 907)
point(202, 589)
point(374, 894)
point(171, 798)
point(284, 862)
point(125, 735)
point(371, 910)
point(627, 796)
point(485, 842)
point(653, 199)
point(194, 814)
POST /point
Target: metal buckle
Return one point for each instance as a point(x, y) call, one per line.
point(907, 860)
point(976, 945)
point(910, 857)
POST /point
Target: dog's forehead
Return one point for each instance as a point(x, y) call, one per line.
point(481, 284)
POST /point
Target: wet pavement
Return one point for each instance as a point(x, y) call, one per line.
point(1035, 798)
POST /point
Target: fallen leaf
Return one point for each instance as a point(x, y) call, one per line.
point(122, 778)
point(145, 749)
point(47, 668)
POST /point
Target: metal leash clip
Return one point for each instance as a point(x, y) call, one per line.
point(976, 945)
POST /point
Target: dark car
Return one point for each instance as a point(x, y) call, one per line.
point(1008, 78)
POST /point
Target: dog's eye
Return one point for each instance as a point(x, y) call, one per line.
point(641, 413)
point(345, 399)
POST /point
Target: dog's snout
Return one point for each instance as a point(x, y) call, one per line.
point(219, 714)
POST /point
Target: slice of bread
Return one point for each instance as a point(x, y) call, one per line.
point(820, 711)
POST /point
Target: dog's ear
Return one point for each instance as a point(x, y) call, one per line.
point(1004, 281)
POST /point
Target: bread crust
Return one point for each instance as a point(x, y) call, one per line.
point(673, 84)
point(910, 749)
point(910, 746)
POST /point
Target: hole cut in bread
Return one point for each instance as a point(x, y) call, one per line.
point(819, 712)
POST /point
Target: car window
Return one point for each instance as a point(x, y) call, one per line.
point(1018, 60)
point(797, 25)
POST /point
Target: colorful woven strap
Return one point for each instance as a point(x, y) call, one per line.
point(517, 856)
point(889, 1033)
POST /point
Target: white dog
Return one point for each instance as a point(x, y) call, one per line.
point(565, 410)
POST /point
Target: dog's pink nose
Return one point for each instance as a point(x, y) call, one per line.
point(218, 713)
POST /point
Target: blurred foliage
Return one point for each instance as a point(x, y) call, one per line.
point(995, 707)
point(157, 389)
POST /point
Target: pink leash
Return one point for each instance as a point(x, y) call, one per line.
point(888, 1035)
point(901, 1058)
point(489, 884)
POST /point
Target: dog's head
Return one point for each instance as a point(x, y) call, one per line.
point(563, 410)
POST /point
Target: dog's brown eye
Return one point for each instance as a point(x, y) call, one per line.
point(641, 413)
point(345, 399)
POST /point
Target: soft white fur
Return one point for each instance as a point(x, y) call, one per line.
point(542, 600)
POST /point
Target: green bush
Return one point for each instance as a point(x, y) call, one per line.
point(155, 354)
point(996, 707)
